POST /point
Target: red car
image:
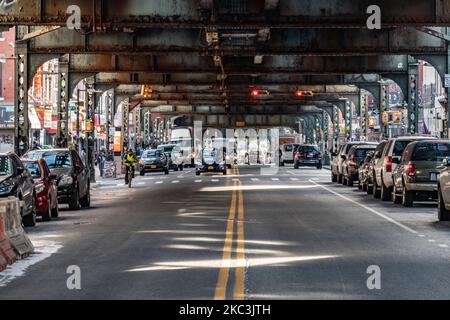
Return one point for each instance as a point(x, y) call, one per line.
point(45, 188)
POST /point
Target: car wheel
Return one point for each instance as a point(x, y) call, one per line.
point(319, 166)
point(408, 197)
point(142, 173)
point(443, 214)
point(333, 177)
point(339, 178)
point(224, 172)
point(350, 182)
point(175, 168)
point(197, 173)
point(47, 216)
point(181, 168)
point(376, 190)
point(74, 203)
point(55, 211)
point(364, 187)
point(385, 192)
point(86, 200)
point(296, 165)
point(166, 171)
point(29, 220)
point(282, 164)
point(396, 199)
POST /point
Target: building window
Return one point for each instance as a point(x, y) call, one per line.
point(1, 82)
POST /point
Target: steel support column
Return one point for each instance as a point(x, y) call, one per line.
point(413, 96)
point(137, 129)
point(147, 128)
point(348, 120)
point(384, 107)
point(446, 128)
point(91, 103)
point(125, 126)
point(21, 121)
point(363, 109)
point(335, 128)
point(62, 135)
point(109, 120)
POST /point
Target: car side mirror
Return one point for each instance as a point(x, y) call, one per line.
point(446, 162)
point(396, 160)
point(52, 176)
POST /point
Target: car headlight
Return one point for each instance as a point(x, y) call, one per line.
point(6, 187)
point(142, 162)
point(39, 188)
point(66, 180)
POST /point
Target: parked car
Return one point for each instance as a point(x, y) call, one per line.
point(387, 162)
point(363, 171)
point(287, 153)
point(444, 191)
point(337, 175)
point(73, 177)
point(417, 173)
point(16, 181)
point(174, 155)
point(308, 155)
point(154, 161)
point(210, 160)
point(355, 158)
point(46, 192)
point(371, 173)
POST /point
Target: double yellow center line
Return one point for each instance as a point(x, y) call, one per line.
point(237, 200)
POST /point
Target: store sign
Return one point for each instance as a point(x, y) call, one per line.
point(48, 120)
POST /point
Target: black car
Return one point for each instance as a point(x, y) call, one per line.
point(308, 155)
point(16, 181)
point(211, 160)
point(154, 161)
point(73, 176)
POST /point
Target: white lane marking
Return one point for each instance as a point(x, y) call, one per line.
point(401, 225)
point(294, 179)
point(431, 240)
point(422, 235)
point(159, 182)
point(148, 178)
point(214, 180)
point(43, 250)
point(442, 245)
point(175, 181)
point(198, 181)
point(140, 183)
point(255, 179)
point(235, 180)
point(180, 176)
point(275, 179)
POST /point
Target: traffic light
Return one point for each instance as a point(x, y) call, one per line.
point(301, 93)
point(146, 91)
point(397, 117)
point(371, 122)
point(385, 117)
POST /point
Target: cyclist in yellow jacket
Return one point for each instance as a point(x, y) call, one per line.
point(130, 163)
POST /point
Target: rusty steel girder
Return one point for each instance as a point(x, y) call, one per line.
point(101, 15)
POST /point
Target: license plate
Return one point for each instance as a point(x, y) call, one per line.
point(434, 176)
point(310, 155)
point(153, 167)
point(210, 168)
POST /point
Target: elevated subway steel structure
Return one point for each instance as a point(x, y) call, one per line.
point(209, 53)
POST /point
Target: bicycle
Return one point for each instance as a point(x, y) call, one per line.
point(130, 173)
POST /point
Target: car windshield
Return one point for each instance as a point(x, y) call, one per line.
point(5, 166)
point(150, 154)
point(361, 153)
point(33, 168)
point(399, 147)
point(166, 149)
point(57, 160)
point(307, 149)
point(209, 153)
point(289, 147)
point(434, 152)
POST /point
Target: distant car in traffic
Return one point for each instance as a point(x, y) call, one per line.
point(387, 162)
point(308, 155)
point(46, 192)
point(174, 155)
point(73, 177)
point(210, 160)
point(154, 161)
point(338, 158)
point(363, 171)
point(287, 153)
point(443, 191)
point(350, 166)
point(417, 173)
point(16, 181)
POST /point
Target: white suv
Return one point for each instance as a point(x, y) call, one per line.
point(386, 162)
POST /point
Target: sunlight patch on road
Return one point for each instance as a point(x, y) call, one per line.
point(255, 188)
point(233, 263)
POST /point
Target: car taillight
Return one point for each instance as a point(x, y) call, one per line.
point(389, 164)
point(299, 154)
point(352, 162)
point(410, 169)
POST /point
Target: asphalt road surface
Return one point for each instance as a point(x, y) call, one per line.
point(289, 234)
